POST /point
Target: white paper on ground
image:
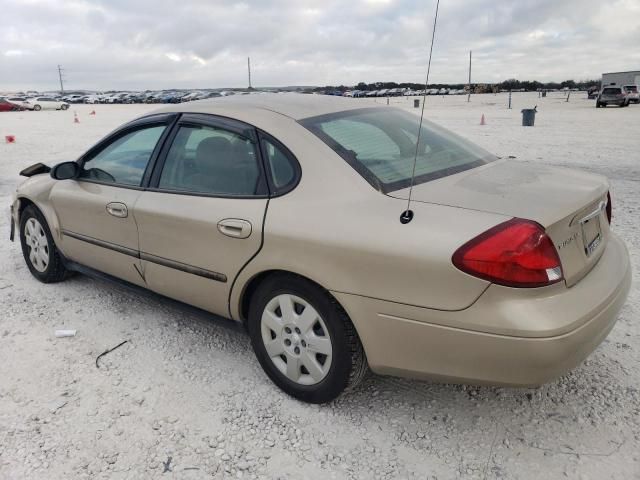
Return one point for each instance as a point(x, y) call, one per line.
point(65, 333)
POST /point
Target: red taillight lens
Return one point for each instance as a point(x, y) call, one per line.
point(517, 253)
point(609, 208)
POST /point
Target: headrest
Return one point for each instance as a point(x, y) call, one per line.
point(210, 151)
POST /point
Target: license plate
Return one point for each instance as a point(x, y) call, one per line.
point(591, 235)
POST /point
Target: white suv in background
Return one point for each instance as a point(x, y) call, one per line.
point(632, 91)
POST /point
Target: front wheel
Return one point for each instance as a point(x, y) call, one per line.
point(598, 105)
point(39, 250)
point(37, 108)
point(64, 107)
point(304, 340)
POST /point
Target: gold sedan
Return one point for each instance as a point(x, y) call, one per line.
point(284, 212)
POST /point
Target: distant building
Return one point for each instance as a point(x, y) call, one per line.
point(621, 78)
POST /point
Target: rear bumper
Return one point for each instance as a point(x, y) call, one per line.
point(409, 341)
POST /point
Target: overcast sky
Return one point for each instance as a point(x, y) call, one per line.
point(139, 44)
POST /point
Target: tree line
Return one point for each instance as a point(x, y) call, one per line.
point(511, 84)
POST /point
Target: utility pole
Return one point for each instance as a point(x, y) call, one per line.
point(60, 77)
point(469, 94)
point(249, 70)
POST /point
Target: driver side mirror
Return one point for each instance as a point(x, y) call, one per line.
point(65, 171)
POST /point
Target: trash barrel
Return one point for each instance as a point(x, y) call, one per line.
point(416, 103)
point(528, 117)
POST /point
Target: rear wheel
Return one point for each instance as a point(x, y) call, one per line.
point(39, 250)
point(64, 107)
point(304, 340)
point(598, 105)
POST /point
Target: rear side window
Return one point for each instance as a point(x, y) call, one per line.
point(124, 160)
point(282, 165)
point(212, 161)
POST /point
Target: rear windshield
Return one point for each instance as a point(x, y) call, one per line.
point(380, 144)
point(632, 88)
point(611, 91)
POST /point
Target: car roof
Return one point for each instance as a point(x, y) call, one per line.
point(294, 105)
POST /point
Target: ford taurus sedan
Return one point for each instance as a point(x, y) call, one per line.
point(284, 212)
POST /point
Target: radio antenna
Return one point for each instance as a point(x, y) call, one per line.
point(407, 215)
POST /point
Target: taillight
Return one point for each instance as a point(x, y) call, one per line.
point(609, 208)
point(516, 253)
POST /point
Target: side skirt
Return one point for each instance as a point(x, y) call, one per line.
point(141, 291)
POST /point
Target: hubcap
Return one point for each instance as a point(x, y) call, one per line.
point(36, 240)
point(296, 339)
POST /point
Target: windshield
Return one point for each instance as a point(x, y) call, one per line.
point(380, 144)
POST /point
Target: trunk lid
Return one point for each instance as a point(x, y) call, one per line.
point(569, 204)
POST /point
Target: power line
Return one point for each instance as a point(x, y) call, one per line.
point(60, 77)
point(469, 94)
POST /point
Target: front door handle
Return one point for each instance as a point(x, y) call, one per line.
point(234, 227)
point(117, 209)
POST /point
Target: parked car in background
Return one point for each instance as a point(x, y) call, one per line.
point(6, 106)
point(20, 103)
point(46, 103)
point(632, 92)
point(613, 96)
point(191, 96)
point(74, 98)
point(593, 93)
point(92, 99)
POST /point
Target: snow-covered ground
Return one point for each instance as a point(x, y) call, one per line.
point(185, 398)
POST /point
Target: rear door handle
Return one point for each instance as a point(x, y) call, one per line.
point(117, 209)
point(234, 227)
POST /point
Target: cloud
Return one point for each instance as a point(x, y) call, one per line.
point(138, 44)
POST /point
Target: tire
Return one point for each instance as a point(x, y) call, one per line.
point(324, 335)
point(37, 108)
point(64, 107)
point(46, 263)
point(598, 105)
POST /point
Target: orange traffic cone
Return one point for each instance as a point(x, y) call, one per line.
point(75, 118)
point(93, 112)
point(10, 138)
point(482, 121)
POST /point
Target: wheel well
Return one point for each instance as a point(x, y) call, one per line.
point(24, 203)
point(254, 283)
